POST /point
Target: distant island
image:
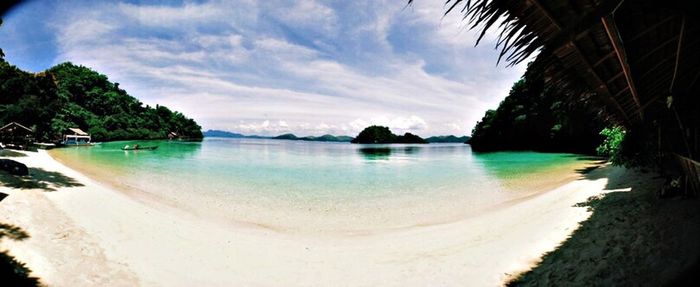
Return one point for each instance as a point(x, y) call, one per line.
point(406, 138)
point(448, 139)
point(222, 134)
point(72, 96)
point(225, 134)
point(383, 135)
point(323, 138)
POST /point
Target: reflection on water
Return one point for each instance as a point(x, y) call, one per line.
point(384, 152)
point(111, 153)
point(375, 153)
point(506, 165)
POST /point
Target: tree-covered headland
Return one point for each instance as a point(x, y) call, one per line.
point(67, 96)
point(535, 116)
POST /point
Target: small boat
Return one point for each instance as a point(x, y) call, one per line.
point(137, 147)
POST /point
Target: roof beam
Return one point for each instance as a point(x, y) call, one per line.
point(611, 30)
point(652, 27)
point(651, 101)
point(562, 36)
point(601, 85)
point(613, 78)
point(621, 91)
point(546, 13)
point(652, 69)
point(678, 54)
point(662, 45)
point(602, 59)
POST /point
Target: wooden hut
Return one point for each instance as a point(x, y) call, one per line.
point(16, 135)
point(76, 136)
point(636, 59)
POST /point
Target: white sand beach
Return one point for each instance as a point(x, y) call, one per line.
point(87, 234)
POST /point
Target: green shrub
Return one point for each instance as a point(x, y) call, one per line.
point(630, 148)
point(612, 145)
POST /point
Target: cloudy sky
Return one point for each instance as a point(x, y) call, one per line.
point(271, 67)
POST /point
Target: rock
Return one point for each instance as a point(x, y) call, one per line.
point(13, 167)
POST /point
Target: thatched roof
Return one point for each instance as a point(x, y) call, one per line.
point(77, 131)
point(629, 55)
point(15, 127)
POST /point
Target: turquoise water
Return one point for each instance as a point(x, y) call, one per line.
point(260, 181)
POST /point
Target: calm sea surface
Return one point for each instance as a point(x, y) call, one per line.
point(322, 186)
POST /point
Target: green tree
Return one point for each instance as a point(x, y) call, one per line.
point(535, 117)
point(2, 55)
point(629, 148)
point(612, 145)
point(375, 134)
point(68, 95)
point(382, 135)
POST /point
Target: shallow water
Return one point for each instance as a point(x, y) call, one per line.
point(322, 186)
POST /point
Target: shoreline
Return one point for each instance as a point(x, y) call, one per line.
point(150, 246)
point(322, 218)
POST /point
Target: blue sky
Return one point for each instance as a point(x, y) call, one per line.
point(271, 67)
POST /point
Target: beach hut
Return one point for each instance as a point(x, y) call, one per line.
point(76, 136)
point(16, 135)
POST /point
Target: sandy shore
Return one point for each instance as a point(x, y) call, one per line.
point(86, 234)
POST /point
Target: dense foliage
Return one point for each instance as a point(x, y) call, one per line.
point(612, 145)
point(67, 96)
point(286, 137)
point(382, 135)
point(630, 148)
point(374, 134)
point(535, 117)
point(2, 54)
point(447, 139)
point(409, 138)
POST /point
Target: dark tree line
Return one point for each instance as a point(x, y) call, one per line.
point(536, 117)
point(68, 95)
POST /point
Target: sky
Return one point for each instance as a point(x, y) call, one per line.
point(271, 67)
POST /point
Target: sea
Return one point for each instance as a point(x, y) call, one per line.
point(303, 186)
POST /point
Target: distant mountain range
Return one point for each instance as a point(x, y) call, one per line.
point(225, 134)
point(323, 138)
point(448, 139)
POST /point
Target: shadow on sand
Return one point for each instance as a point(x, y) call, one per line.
point(13, 272)
point(632, 237)
point(10, 153)
point(38, 179)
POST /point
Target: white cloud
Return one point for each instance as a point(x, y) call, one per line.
point(169, 16)
point(261, 128)
point(413, 124)
point(231, 67)
point(307, 14)
point(81, 31)
point(233, 41)
point(281, 48)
